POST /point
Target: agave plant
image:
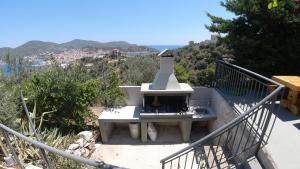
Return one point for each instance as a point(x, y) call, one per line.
point(31, 154)
point(35, 120)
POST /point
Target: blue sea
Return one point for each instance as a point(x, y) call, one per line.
point(163, 47)
point(7, 70)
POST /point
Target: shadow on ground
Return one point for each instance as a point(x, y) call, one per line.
point(166, 135)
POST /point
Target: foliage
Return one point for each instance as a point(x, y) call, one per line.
point(206, 76)
point(138, 70)
point(111, 94)
point(31, 154)
point(196, 61)
point(182, 75)
point(9, 111)
point(264, 40)
point(66, 94)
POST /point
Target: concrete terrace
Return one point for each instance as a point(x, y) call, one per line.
point(123, 151)
point(284, 143)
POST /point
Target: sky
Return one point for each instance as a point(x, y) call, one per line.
point(143, 22)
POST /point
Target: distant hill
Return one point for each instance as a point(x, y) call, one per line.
point(37, 47)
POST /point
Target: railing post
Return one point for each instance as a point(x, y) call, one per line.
point(265, 127)
point(215, 83)
point(16, 158)
point(4, 149)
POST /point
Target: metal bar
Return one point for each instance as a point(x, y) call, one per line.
point(99, 164)
point(264, 131)
point(185, 160)
point(193, 159)
point(250, 72)
point(242, 135)
point(225, 143)
point(237, 128)
point(275, 115)
point(16, 158)
point(272, 107)
point(215, 159)
point(253, 121)
point(4, 148)
point(258, 124)
point(223, 87)
point(178, 165)
point(216, 76)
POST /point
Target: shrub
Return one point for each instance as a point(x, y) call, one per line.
point(8, 108)
point(111, 94)
point(67, 96)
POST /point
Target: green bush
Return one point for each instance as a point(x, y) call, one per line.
point(67, 96)
point(138, 70)
point(182, 74)
point(111, 94)
point(8, 108)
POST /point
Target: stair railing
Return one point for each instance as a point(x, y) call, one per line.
point(254, 98)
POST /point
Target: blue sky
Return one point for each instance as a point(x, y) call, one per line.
point(145, 22)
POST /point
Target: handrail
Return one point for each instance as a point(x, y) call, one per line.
point(235, 121)
point(216, 132)
point(91, 162)
point(251, 72)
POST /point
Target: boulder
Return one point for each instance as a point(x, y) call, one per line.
point(30, 166)
point(81, 142)
point(77, 152)
point(73, 146)
point(9, 160)
point(69, 151)
point(87, 135)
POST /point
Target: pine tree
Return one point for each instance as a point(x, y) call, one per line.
point(264, 36)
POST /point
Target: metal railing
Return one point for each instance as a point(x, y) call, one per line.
point(10, 136)
point(253, 98)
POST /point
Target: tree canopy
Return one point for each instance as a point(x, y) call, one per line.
point(264, 36)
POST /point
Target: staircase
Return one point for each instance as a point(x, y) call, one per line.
point(253, 97)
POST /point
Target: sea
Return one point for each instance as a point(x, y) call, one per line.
point(163, 47)
point(8, 71)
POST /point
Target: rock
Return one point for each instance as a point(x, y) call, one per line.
point(87, 135)
point(30, 166)
point(86, 145)
point(86, 152)
point(9, 160)
point(81, 142)
point(73, 146)
point(91, 146)
point(77, 152)
point(69, 151)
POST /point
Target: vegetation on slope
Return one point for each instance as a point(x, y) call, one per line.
point(262, 39)
point(197, 61)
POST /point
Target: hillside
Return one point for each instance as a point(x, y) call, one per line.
point(37, 47)
point(198, 60)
